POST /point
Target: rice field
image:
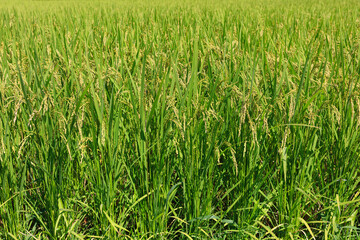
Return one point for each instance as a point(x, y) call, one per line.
point(180, 120)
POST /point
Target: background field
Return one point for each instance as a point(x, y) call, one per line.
point(187, 120)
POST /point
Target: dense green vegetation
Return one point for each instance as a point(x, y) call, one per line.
point(188, 120)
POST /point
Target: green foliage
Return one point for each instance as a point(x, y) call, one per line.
point(187, 120)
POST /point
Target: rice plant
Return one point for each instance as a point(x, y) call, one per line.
point(187, 120)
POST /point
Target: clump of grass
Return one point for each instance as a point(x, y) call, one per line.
point(170, 121)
